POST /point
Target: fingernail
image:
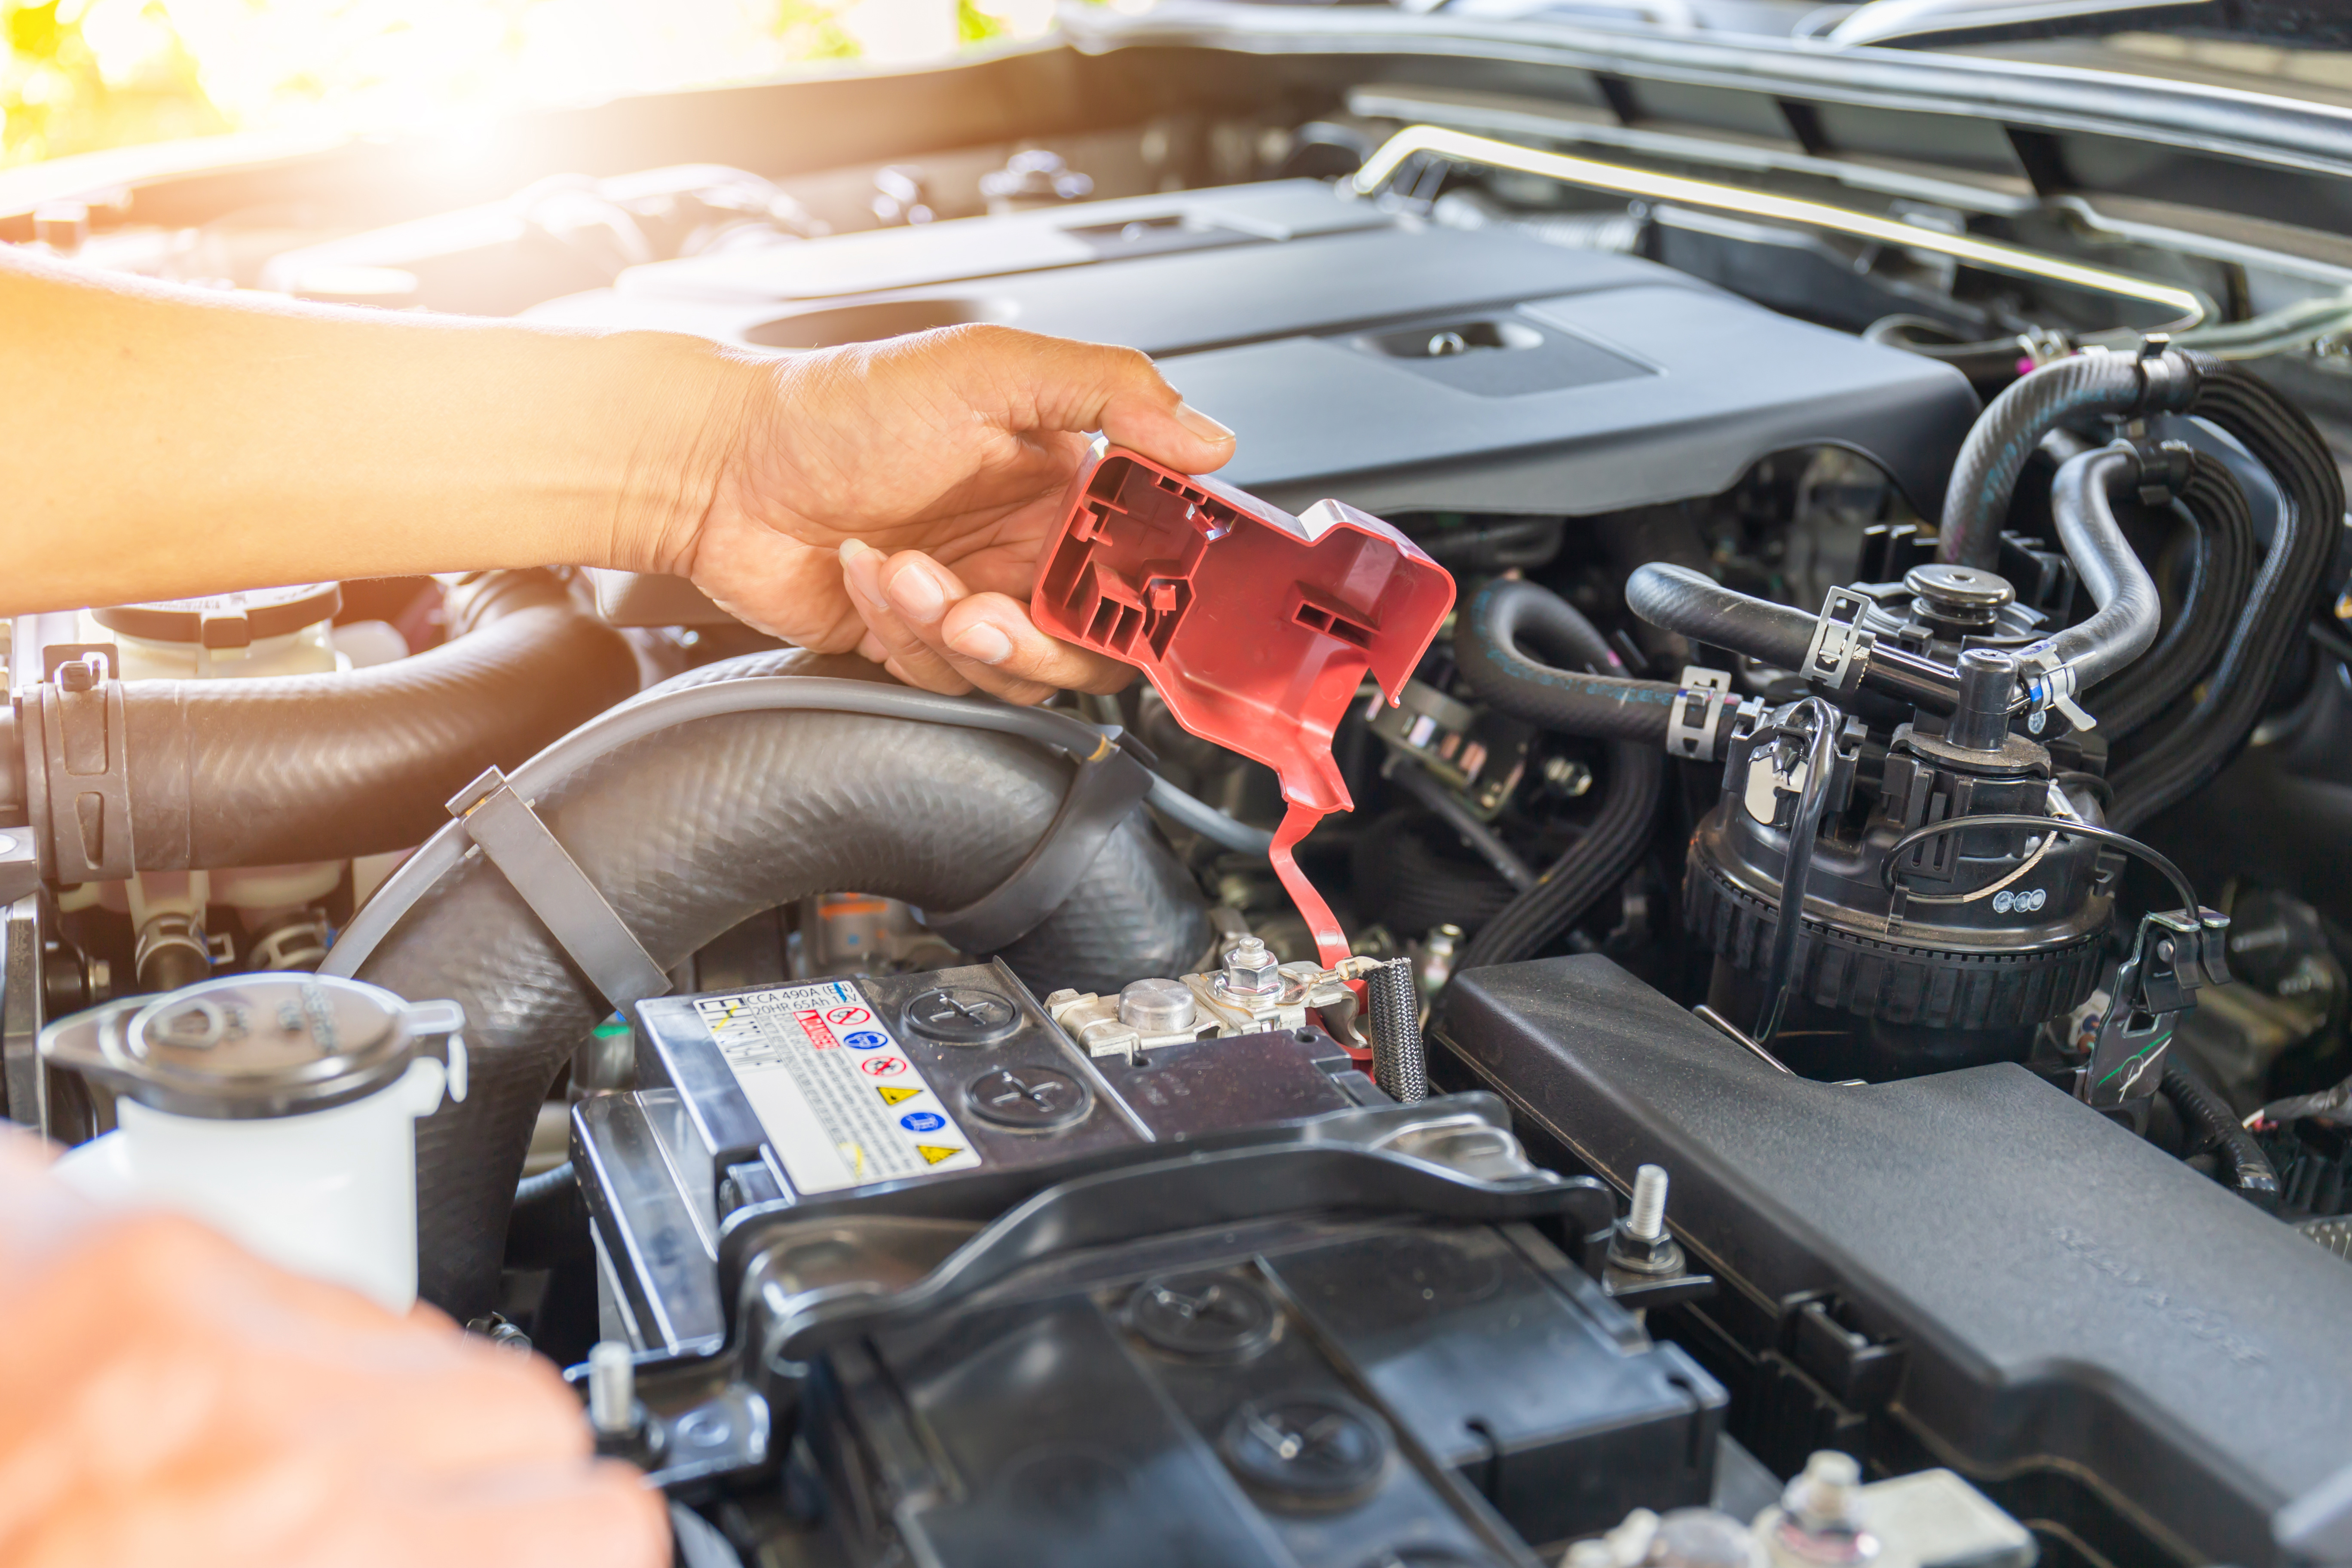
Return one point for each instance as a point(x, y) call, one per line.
point(917, 593)
point(1201, 425)
point(862, 569)
point(983, 642)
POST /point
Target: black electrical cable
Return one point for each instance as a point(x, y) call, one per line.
point(2250, 1174)
point(1797, 866)
point(2107, 835)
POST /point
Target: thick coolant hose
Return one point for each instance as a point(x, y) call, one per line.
point(324, 767)
point(2248, 1171)
point(2064, 392)
point(2281, 437)
point(2219, 568)
point(1619, 834)
point(2129, 614)
point(1605, 707)
point(688, 829)
point(1695, 605)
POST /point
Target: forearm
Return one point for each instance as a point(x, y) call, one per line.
point(164, 443)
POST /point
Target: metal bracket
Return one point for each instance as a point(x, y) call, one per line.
point(1109, 785)
point(1839, 652)
point(505, 829)
point(2175, 956)
point(1694, 727)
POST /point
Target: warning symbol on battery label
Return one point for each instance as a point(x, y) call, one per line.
point(800, 1055)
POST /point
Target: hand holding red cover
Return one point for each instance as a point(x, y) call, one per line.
point(1256, 627)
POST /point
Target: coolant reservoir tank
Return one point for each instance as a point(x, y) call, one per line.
point(240, 636)
point(278, 1108)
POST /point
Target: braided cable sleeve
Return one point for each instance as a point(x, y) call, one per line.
point(1399, 1065)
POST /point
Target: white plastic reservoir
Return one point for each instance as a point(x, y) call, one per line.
point(278, 1108)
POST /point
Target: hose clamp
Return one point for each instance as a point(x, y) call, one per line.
point(512, 836)
point(2164, 470)
point(1839, 655)
point(1694, 724)
point(2169, 379)
point(2049, 686)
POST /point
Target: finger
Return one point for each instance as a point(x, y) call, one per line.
point(929, 599)
point(1056, 383)
point(992, 634)
point(906, 653)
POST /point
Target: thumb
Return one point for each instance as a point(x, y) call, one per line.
point(1063, 385)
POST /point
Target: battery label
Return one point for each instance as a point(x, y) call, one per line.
point(842, 1103)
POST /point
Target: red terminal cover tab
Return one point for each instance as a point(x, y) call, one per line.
point(1256, 627)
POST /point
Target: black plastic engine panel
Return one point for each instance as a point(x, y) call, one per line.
point(1973, 1264)
point(1363, 354)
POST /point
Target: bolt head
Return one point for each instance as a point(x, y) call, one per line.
point(1251, 969)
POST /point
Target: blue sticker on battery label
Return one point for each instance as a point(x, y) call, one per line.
point(865, 1040)
point(922, 1121)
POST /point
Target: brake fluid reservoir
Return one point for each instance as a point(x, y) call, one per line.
point(278, 1108)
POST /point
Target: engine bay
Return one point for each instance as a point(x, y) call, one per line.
point(935, 1131)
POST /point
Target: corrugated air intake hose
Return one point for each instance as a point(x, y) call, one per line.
point(690, 827)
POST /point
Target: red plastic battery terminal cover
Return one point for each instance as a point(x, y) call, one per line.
point(1256, 627)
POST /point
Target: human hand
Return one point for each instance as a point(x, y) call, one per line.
point(893, 498)
point(167, 1397)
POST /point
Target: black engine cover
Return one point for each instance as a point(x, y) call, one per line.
point(1968, 1268)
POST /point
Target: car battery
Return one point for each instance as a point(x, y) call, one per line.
point(1215, 1300)
point(1304, 1394)
point(790, 1093)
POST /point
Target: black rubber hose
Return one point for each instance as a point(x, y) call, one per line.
point(1614, 842)
point(549, 1216)
point(324, 767)
point(2281, 437)
point(2220, 569)
point(687, 831)
point(1609, 707)
point(2063, 391)
point(1619, 833)
point(1700, 608)
point(2129, 613)
point(1406, 878)
point(2247, 1172)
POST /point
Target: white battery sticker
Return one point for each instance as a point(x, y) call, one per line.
point(842, 1105)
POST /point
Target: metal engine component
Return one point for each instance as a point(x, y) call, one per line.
point(1251, 992)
